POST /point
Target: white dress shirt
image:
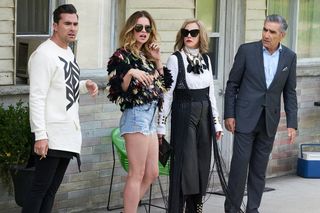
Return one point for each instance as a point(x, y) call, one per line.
point(270, 62)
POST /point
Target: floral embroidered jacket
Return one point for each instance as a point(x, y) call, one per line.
point(137, 94)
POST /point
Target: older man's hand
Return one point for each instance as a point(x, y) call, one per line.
point(230, 124)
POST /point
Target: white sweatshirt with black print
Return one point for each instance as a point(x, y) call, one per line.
point(54, 97)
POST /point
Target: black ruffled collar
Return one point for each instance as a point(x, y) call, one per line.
point(195, 60)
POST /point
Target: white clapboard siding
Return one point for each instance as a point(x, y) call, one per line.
point(7, 3)
point(256, 25)
point(6, 64)
point(253, 35)
point(167, 46)
point(166, 36)
point(169, 16)
point(169, 24)
point(6, 26)
point(256, 4)
point(6, 52)
point(255, 15)
point(6, 78)
point(7, 42)
point(143, 4)
point(6, 14)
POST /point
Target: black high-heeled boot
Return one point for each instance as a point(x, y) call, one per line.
point(199, 207)
point(194, 204)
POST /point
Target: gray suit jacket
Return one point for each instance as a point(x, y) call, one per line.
point(247, 94)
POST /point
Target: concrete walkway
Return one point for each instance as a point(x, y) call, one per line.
point(292, 194)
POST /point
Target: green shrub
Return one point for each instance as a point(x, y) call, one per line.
point(15, 140)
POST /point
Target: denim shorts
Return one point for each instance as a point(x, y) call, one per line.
point(139, 119)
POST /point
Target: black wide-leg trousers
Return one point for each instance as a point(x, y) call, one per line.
point(196, 157)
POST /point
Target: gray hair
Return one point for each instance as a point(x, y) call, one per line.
point(278, 19)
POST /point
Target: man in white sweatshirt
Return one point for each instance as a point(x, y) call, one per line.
point(54, 109)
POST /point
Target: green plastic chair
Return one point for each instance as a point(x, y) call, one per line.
point(119, 144)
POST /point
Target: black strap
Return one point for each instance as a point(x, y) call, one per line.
point(181, 78)
point(205, 58)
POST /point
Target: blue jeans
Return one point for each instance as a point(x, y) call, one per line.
point(139, 119)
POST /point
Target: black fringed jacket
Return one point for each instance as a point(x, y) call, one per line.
point(137, 94)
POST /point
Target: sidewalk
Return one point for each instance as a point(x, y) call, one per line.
point(292, 194)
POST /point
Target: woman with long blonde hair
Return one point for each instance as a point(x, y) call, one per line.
point(137, 81)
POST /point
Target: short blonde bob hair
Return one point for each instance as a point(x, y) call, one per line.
point(127, 39)
point(203, 36)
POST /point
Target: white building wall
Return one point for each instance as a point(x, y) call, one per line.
point(93, 47)
point(7, 15)
point(255, 15)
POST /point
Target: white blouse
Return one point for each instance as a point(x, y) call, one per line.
point(194, 81)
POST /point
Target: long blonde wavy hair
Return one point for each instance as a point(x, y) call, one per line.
point(127, 39)
point(203, 36)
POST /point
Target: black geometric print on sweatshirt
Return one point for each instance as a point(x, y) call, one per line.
point(72, 78)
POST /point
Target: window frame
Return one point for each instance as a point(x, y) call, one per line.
point(52, 5)
point(217, 64)
point(20, 74)
point(293, 42)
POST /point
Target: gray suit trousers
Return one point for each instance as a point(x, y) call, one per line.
point(249, 162)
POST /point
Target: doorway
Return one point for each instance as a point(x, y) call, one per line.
point(224, 20)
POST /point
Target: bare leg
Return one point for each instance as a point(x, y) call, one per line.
point(151, 169)
point(139, 148)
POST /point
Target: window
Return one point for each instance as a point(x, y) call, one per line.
point(208, 11)
point(34, 21)
point(303, 17)
point(33, 17)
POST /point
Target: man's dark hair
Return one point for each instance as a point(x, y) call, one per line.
point(65, 8)
point(278, 19)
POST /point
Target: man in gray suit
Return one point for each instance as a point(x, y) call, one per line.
point(261, 72)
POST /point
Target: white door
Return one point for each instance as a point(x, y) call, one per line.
point(222, 19)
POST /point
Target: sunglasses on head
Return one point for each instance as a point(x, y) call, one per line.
point(193, 33)
point(139, 27)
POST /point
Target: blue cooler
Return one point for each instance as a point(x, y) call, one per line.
point(309, 162)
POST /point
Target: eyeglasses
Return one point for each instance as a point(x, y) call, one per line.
point(138, 28)
point(193, 33)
